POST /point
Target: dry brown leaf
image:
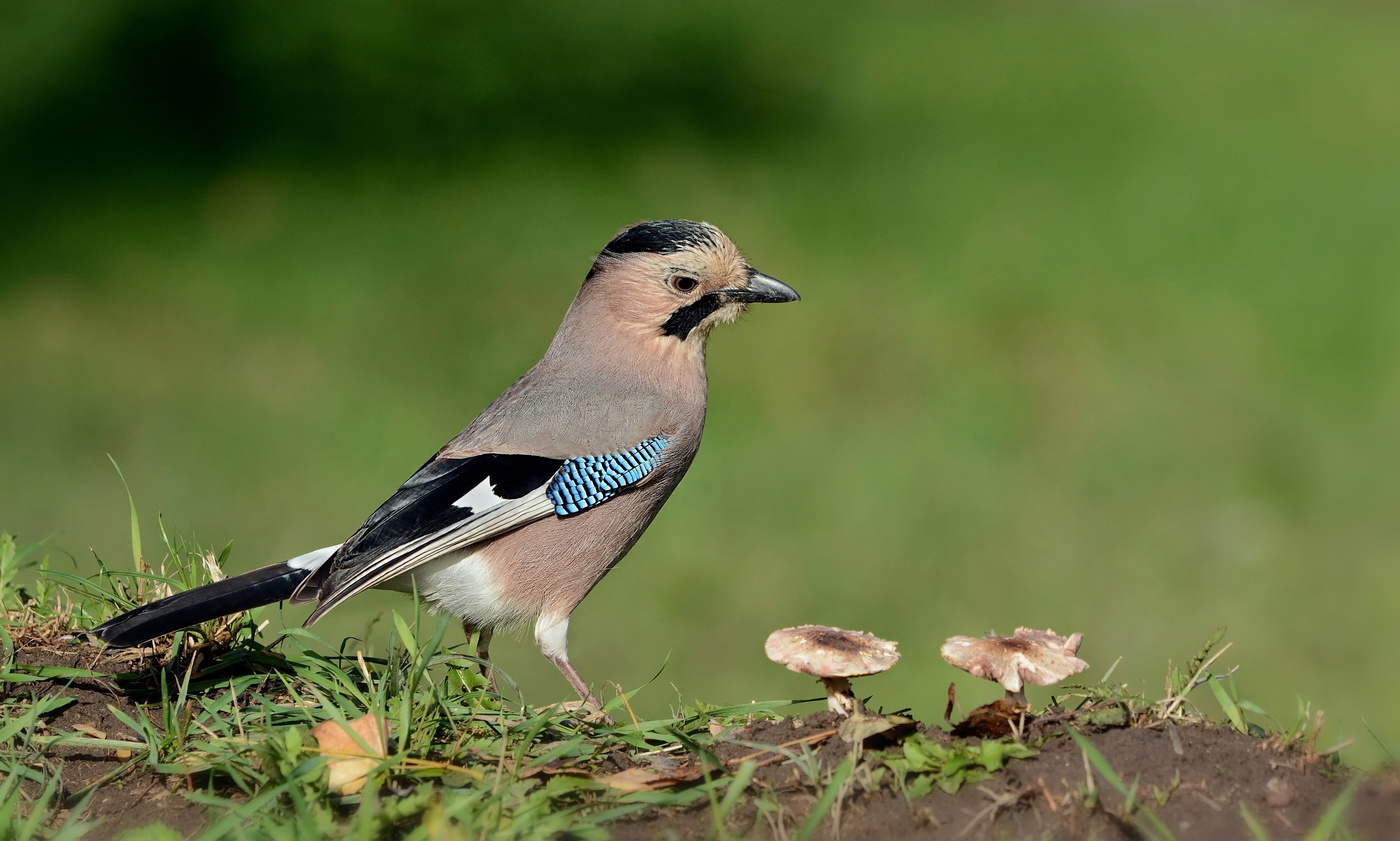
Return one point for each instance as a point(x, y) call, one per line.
point(90, 730)
point(347, 760)
point(649, 779)
point(862, 725)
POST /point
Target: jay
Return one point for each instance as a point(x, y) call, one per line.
point(518, 517)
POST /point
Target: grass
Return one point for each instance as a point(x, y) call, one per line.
point(1098, 329)
point(1093, 298)
point(1332, 823)
point(234, 715)
point(1152, 825)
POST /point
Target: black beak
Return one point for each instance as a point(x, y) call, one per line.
point(763, 289)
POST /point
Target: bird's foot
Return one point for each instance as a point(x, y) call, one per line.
point(585, 709)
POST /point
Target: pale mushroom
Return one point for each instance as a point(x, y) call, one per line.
point(834, 655)
point(1028, 656)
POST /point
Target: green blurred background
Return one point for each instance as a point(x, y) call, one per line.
point(1100, 325)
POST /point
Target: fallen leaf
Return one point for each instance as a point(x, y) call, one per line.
point(348, 761)
point(90, 730)
point(862, 725)
point(649, 779)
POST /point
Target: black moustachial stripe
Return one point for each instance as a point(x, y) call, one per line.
point(241, 592)
point(688, 317)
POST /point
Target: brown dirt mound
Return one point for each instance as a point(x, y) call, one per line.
point(1194, 779)
point(1203, 775)
point(139, 796)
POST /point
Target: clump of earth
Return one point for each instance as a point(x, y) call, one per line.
point(1198, 779)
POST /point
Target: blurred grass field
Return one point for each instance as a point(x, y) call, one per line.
point(1100, 325)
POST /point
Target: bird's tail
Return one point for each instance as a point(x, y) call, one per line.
point(220, 598)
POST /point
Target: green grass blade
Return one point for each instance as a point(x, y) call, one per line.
point(1228, 705)
point(39, 813)
point(75, 740)
point(1331, 819)
point(60, 672)
point(1155, 827)
point(738, 784)
point(1389, 754)
point(1111, 669)
point(405, 633)
point(1251, 707)
point(9, 567)
point(135, 521)
point(1098, 761)
point(1256, 829)
point(265, 798)
point(13, 727)
point(828, 799)
point(9, 798)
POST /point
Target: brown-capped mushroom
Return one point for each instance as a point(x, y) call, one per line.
point(1027, 656)
point(834, 655)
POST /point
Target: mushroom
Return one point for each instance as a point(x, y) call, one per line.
point(1027, 656)
point(834, 655)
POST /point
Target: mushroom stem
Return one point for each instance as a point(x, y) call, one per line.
point(1018, 698)
point(839, 698)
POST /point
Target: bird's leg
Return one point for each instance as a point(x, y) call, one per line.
point(483, 647)
point(552, 635)
point(576, 681)
point(483, 652)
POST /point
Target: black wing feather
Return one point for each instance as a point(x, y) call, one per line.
point(423, 505)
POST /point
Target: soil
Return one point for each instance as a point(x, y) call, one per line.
point(139, 797)
point(1202, 774)
point(1042, 797)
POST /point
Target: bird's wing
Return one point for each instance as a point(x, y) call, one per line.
point(452, 503)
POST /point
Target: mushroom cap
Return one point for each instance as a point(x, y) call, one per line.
point(830, 652)
point(1029, 656)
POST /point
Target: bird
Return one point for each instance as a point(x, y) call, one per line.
point(518, 517)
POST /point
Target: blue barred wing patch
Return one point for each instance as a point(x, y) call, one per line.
point(588, 480)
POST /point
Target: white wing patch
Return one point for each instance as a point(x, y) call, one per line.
point(312, 560)
point(479, 498)
point(507, 516)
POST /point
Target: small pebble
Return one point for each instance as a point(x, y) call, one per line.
point(1278, 792)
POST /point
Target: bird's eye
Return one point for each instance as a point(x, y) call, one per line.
point(684, 283)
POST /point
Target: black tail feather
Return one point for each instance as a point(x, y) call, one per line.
point(241, 592)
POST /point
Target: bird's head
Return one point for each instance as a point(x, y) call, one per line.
point(675, 279)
